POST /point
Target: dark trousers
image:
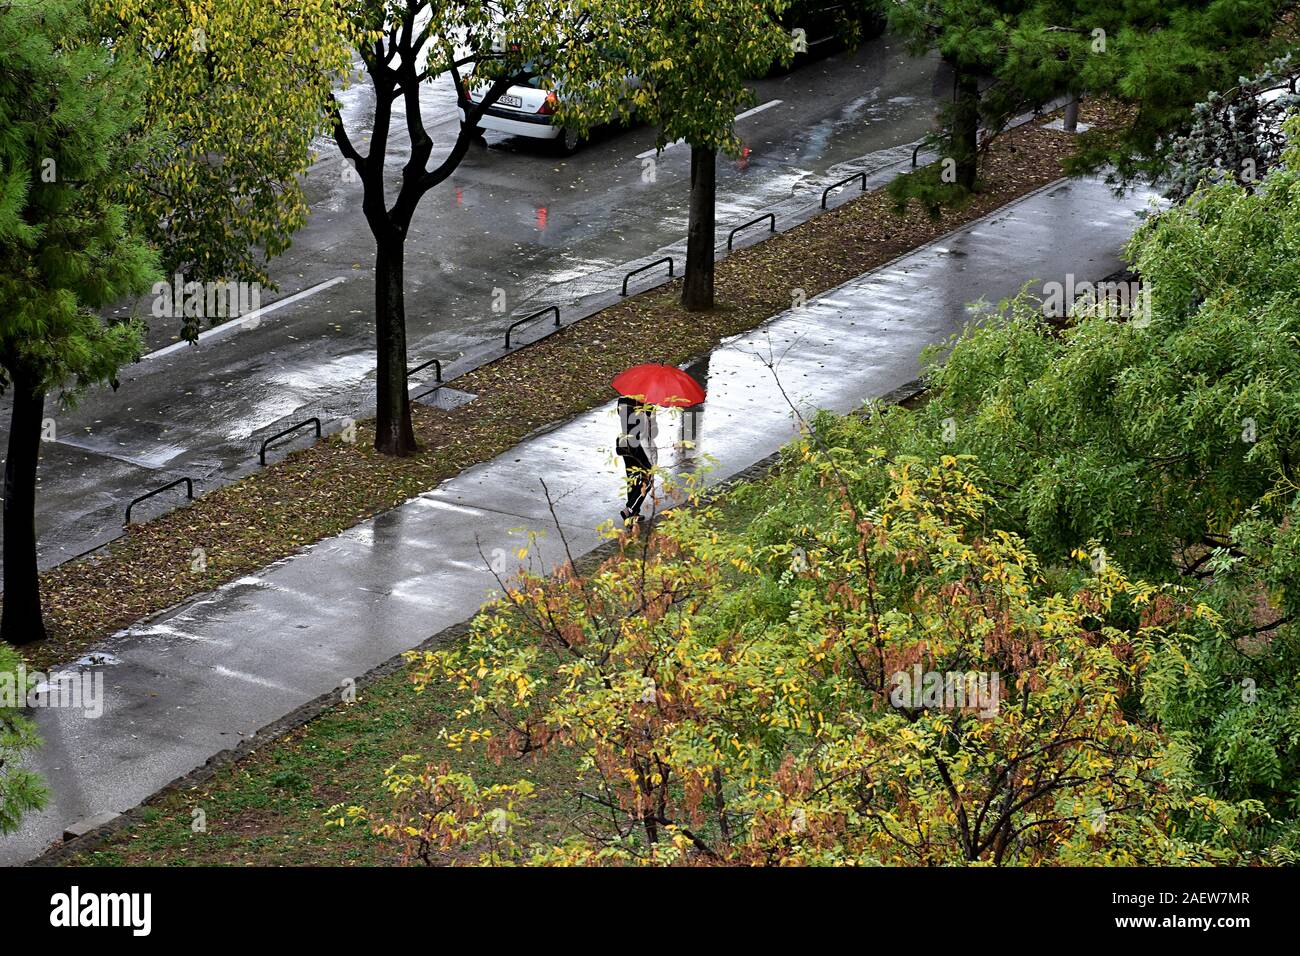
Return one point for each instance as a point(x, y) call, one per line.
point(637, 463)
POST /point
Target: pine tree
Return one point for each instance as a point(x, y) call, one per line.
point(67, 105)
point(1012, 56)
point(974, 40)
point(1237, 134)
point(1158, 60)
point(20, 789)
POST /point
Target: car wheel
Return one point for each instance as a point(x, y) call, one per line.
point(569, 141)
point(875, 26)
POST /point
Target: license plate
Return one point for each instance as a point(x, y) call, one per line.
point(507, 100)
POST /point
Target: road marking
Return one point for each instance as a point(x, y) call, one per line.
point(758, 109)
point(740, 116)
point(233, 325)
point(650, 152)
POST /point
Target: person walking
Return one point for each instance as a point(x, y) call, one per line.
point(636, 446)
point(641, 388)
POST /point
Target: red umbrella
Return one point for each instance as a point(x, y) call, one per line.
point(659, 385)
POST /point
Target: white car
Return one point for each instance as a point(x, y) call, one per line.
point(520, 111)
point(527, 110)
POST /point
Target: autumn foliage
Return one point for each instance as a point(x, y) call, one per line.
point(734, 701)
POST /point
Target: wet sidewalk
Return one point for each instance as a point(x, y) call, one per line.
point(227, 663)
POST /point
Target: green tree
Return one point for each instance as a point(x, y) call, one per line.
point(403, 45)
point(1169, 443)
point(237, 91)
point(1155, 61)
point(973, 38)
point(20, 789)
point(746, 697)
point(1161, 435)
point(69, 108)
point(693, 61)
point(1159, 61)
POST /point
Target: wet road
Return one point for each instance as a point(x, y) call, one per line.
point(198, 679)
point(514, 218)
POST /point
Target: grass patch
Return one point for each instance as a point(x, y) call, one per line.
point(268, 808)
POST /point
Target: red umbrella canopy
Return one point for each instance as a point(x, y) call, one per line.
point(659, 385)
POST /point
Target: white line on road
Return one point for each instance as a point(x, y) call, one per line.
point(740, 116)
point(758, 109)
point(650, 152)
point(242, 321)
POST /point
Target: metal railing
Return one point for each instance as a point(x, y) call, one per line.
point(646, 268)
point(261, 454)
point(753, 222)
point(528, 318)
point(916, 152)
point(437, 368)
point(844, 182)
point(189, 493)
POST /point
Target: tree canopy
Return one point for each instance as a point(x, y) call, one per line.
point(67, 106)
point(692, 62)
point(237, 92)
point(1155, 62)
point(1238, 132)
point(21, 790)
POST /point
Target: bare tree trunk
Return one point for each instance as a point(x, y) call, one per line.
point(397, 80)
point(720, 804)
point(22, 622)
point(393, 432)
point(697, 289)
point(1070, 121)
point(965, 134)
